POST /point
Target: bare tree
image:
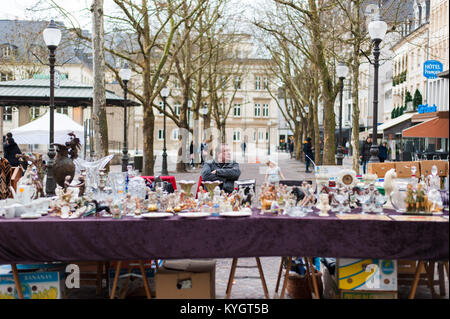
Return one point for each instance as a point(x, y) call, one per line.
point(99, 97)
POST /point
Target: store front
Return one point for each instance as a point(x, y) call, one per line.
point(430, 138)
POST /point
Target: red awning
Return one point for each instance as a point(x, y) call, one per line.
point(437, 127)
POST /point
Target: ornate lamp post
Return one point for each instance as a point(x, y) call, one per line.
point(125, 75)
point(341, 72)
point(52, 37)
point(268, 130)
point(164, 93)
point(377, 31)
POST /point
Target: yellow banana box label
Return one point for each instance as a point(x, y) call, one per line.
point(367, 274)
point(42, 285)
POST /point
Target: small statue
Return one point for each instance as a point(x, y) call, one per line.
point(420, 198)
point(323, 205)
point(64, 165)
point(410, 201)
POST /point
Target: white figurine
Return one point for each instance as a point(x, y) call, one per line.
point(323, 205)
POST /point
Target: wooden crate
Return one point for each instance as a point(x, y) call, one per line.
point(380, 168)
point(426, 166)
point(298, 286)
point(403, 169)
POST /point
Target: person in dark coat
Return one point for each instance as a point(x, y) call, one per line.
point(365, 153)
point(191, 154)
point(383, 152)
point(10, 150)
point(222, 169)
point(309, 155)
point(291, 147)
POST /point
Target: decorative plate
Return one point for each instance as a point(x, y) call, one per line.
point(31, 216)
point(194, 215)
point(157, 215)
point(236, 214)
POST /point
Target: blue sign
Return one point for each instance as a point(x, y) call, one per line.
point(426, 109)
point(431, 68)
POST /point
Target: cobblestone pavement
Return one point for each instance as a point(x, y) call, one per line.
point(247, 284)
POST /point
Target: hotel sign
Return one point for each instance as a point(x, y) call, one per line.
point(431, 68)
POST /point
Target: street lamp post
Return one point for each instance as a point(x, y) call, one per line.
point(377, 31)
point(341, 72)
point(164, 93)
point(137, 135)
point(52, 37)
point(125, 75)
point(268, 146)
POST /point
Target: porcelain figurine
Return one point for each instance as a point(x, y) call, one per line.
point(323, 205)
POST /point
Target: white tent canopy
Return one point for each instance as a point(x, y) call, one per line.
point(37, 131)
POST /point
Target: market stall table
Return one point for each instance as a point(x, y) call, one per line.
point(99, 239)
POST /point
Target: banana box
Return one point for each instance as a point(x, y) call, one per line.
point(35, 285)
point(367, 274)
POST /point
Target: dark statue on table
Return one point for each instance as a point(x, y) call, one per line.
point(64, 165)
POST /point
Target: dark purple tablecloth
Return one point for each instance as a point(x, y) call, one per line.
point(95, 239)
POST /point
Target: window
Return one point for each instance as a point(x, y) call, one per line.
point(261, 135)
point(34, 112)
point(237, 110)
point(176, 83)
point(174, 134)
point(349, 113)
point(160, 134)
point(177, 109)
point(265, 110)
point(63, 110)
point(236, 136)
point(6, 76)
point(223, 82)
point(161, 106)
point(237, 83)
point(258, 83)
point(7, 51)
point(257, 110)
point(7, 113)
point(254, 136)
point(266, 83)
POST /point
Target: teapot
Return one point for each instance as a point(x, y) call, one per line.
point(24, 194)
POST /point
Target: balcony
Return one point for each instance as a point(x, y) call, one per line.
point(398, 79)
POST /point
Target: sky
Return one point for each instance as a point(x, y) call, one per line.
point(12, 9)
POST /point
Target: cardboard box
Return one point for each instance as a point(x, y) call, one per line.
point(186, 279)
point(403, 169)
point(367, 274)
point(426, 166)
point(380, 168)
point(35, 285)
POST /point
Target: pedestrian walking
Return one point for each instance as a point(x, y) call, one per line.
point(365, 153)
point(243, 147)
point(10, 150)
point(191, 154)
point(291, 147)
point(309, 155)
point(347, 148)
point(383, 152)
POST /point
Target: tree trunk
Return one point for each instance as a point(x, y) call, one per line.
point(149, 124)
point(328, 94)
point(99, 98)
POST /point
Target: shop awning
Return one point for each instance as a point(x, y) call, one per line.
point(437, 128)
point(393, 122)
